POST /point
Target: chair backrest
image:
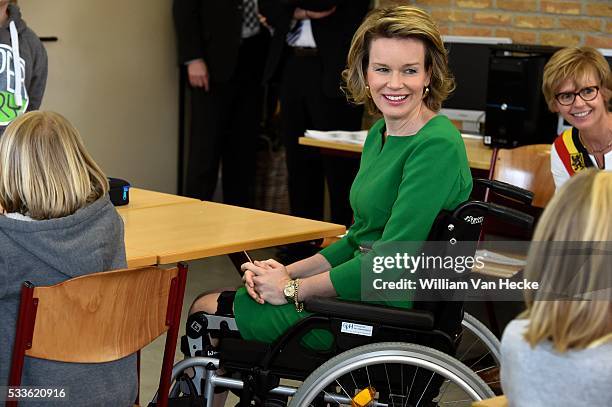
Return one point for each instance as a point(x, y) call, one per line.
point(526, 167)
point(111, 315)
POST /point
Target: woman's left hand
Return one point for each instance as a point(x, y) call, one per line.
point(270, 280)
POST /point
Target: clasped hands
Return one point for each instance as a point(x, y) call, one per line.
point(265, 281)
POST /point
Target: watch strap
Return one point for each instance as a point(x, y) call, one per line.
point(299, 306)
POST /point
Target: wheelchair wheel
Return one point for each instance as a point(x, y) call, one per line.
point(482, 333)
point(479, 349)
point(391, 373)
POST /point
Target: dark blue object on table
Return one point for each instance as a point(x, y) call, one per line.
point(119, 191)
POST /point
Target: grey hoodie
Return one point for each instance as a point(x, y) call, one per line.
point(47, 252)
point(17, 38)
point(543, 377)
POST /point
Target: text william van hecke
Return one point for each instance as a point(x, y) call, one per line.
point(448, 284)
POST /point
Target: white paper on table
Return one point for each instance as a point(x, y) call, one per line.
point(498, 258)
point(352, 137)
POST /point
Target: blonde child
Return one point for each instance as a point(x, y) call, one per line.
point(57, 223)
point(559, 352)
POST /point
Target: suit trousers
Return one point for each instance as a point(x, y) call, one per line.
point(225, 123)
point(304, 105)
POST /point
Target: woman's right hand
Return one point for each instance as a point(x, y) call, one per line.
point(249, 284)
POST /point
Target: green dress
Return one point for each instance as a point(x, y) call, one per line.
point(401, 186)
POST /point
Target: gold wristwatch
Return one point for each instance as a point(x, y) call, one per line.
point(291, 294)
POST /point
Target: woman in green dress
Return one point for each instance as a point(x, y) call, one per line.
point(413, 166)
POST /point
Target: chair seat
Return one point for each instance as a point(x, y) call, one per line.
point(499, 401)
point(328, 241)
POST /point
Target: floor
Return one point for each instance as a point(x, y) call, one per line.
point(203, 275)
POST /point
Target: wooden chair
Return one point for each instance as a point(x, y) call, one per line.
point(526, 167)
point(499, 401)
point(142, 303)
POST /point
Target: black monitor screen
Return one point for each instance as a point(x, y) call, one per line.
point(469, 63)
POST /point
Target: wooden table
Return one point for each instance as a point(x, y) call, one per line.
point(479, 155)
point(139, 258)
point(142, 198)
point(192, 229)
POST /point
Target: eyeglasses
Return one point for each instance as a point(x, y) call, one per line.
point(587, 94)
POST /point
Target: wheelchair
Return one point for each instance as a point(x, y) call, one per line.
point(380, 355)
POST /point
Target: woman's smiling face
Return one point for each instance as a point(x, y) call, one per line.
point(582, 114)
point(397, 76)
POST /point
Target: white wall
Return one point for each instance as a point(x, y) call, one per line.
point(113, 74)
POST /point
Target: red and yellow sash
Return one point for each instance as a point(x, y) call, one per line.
point(573, 155)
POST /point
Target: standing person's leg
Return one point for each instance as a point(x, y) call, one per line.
point(204, 148)
point(303, 163)
point(335, 113)
point(239, 144)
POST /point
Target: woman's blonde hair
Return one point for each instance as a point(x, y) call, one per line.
point(45, 171)
point(568, 257)
point(398, 22)
point(575, 63)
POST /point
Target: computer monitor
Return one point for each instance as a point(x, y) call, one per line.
point(516, 111)
point(607, 53)
point(469, 62)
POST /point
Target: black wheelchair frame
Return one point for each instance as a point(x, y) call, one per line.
point(254, 369)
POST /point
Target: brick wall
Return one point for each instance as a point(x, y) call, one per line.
point(547, 22)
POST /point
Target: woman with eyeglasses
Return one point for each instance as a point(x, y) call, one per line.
point(578, 85)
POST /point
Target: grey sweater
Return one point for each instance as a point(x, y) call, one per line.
point(48, 252)
point(544, 377)
point(33, 68)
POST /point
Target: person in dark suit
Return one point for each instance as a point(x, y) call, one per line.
point(223, 46)
point(308, 50)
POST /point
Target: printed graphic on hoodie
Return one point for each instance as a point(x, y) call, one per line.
point(9, 109)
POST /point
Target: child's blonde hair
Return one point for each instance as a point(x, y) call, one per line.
point(569, 256)
point(45, 171)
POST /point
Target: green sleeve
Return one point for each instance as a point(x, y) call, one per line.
point(340, 251)
point(431, 181)
point(344, 249)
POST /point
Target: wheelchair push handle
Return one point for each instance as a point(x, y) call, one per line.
point(507, 190)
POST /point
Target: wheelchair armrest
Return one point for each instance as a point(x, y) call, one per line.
point(511, 215)
point(400, 317)
point(507, 190)
point(504, 213)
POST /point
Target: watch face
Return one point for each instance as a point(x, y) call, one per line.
point(289, 290)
